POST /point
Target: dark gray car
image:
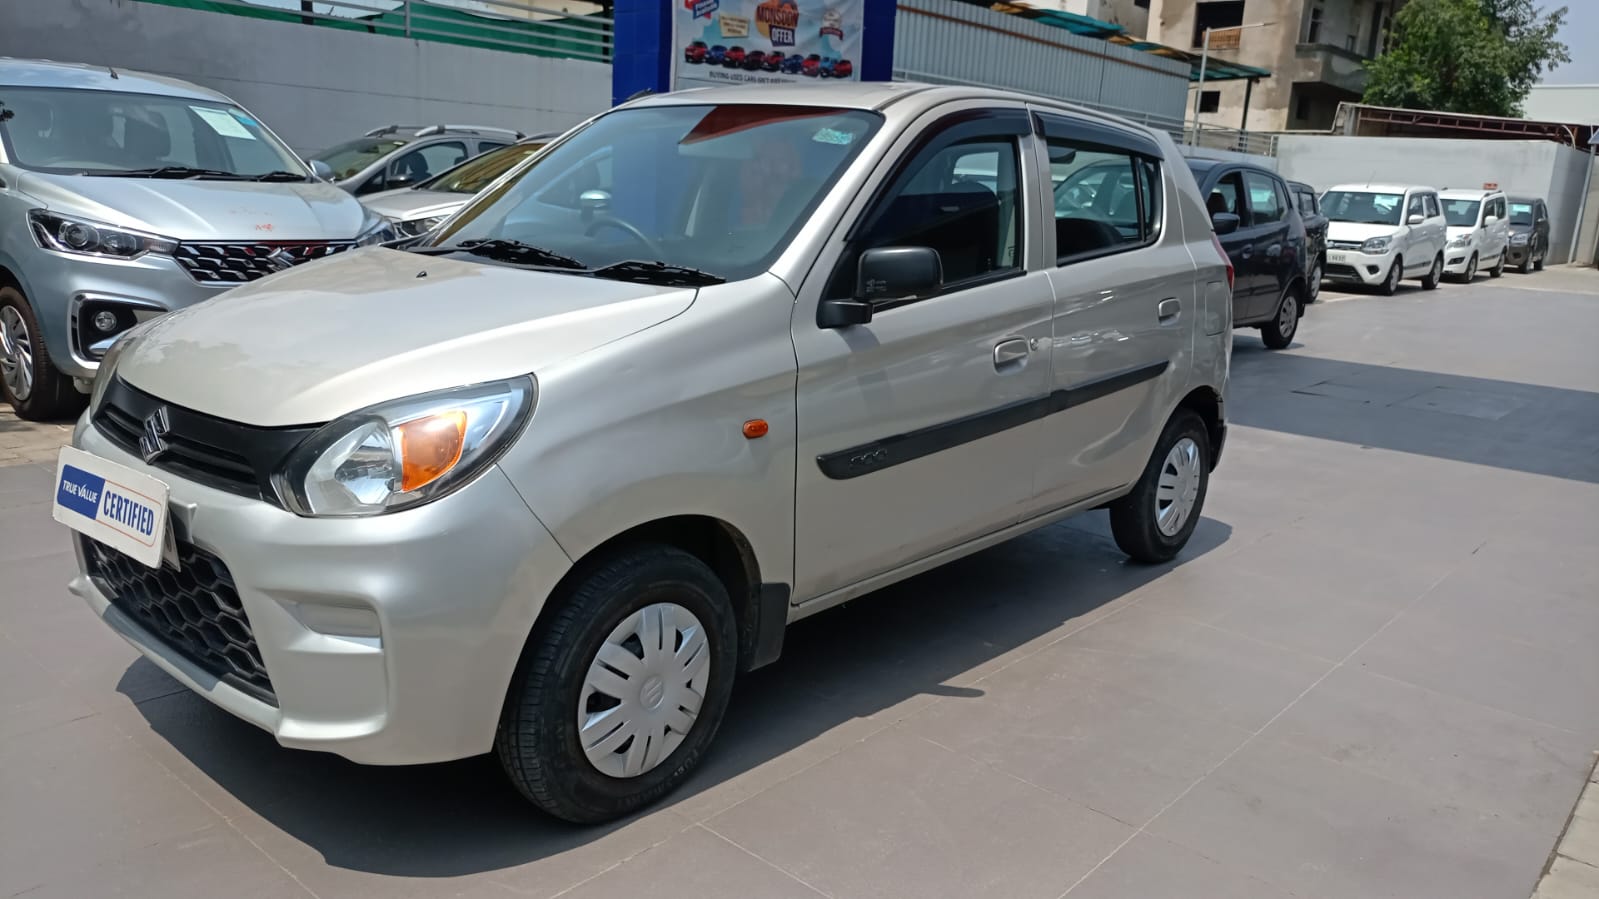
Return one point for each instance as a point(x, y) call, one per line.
point(1529, 234)
point(1316, 221)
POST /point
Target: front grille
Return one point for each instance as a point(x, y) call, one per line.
point(194, 610)
point(236, 263)
point(1341, 271)
point(1343, 244)
point(205, 449)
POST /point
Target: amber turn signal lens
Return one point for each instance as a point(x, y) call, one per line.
point(756, 427)
point(429, 447)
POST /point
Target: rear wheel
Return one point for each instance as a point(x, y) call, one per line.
point(29, 379)
point(1153, 523)
point(1390, 284)
point(1435, 274)
point(1278, 333)
point(620, 692)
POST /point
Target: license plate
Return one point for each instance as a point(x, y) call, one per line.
point(1337, 258)
point(115, 505)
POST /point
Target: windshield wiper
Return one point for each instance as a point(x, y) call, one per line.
point(513, 251)
point(280, 175)
point(168, 171)
point(658, 273)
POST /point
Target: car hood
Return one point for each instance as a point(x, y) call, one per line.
point(1460, 231)
point(408, 203)
point(1520, 229)
point(324, 339)
point(1356, 231)
point(204, 210)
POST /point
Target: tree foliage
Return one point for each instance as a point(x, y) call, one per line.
point(1471, 56)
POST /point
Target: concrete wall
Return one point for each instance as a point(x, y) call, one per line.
point(313, 86)
point(1536, 168)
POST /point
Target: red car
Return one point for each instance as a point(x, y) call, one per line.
point(734, 57)
point(842, 69)
point(812, 66)
point(695, 52)
point(754, 60)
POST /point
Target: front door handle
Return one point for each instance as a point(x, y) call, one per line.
point(1168, 309)
point(1011, 353)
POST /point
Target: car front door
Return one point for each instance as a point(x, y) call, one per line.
point(1275, 252)
point(1540, 231)
point(910, 425)
point(1126, 306)
point(1228, 195)
point(1499, 229)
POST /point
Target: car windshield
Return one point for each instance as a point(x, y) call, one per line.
point(475, 174)
point(352, 156)
point(1362, 206)
point(721, 189)
point(1461, 213)
point(1521, 213)
point(94, 132)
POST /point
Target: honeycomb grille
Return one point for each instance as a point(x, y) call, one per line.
point(195, 610)
point(236, 263)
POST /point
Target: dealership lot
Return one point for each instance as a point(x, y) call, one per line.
point(1372, 673)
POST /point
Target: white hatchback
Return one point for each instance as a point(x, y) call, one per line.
point(1479, 232)
point(1378, 234)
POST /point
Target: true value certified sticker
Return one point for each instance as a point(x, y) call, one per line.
point(115, 505)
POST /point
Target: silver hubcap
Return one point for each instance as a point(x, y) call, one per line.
point(1315, 282)
point(1471, 268)
point(1287, 316)
point(16, 353)
point(1178, 488)
point(1393, 275)
point(643, 690)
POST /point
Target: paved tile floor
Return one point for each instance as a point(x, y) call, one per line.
point(1374, 673)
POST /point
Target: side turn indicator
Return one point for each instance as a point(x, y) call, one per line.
point(756, 427)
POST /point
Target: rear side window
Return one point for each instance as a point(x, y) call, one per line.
point(1265, 203)
point(1105, 200)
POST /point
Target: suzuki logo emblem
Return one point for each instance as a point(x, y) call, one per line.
point(154, 440)
point(280, 259)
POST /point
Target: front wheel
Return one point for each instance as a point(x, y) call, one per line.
point(1153, 523)
point(1435, 274)
point(1390, 284)
point(1471, 270)
point(1279, 332)
point(1499, 267)
point(1313, 287)
point(1526, 264)
point(1539, 264)
point(29, 379)
point(620, 692)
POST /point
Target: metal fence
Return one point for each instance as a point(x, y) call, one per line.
point(538, 27)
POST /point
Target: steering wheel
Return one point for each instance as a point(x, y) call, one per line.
point(631, 229)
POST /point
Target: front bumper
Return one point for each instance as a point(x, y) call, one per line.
point(1515, 255)
point(1355, 267)
point(66, 290)
point(450, 590)
point(1458, 259)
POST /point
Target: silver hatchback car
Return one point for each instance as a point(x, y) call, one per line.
point(711, 363)
point(124, 195)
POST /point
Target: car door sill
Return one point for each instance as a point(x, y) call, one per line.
point(808, 607)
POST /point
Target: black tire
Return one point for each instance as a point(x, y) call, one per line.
point(537, 741)
point(1313, 286)
point(1538, 266)
point(1435, 274)
point(1526, 264)
point(52, 396)
point(1278, 334)
point(1498, 270)
point(1134, 518)
point(1390, 284)
point(1470, 274)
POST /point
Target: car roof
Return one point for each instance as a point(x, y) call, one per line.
point(77, 76)
point(1300, 185)
point(1199, 165)
point(1382, 188)
point(1523, 198)
point(1463, 194)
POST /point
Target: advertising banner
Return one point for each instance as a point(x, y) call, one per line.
point(765, 41)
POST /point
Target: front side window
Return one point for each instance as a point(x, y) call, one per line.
point(1104, 199)
point(960, 199)
point(719, 188)
point(1307, 203)
point(1363, 207)
point(351, 157)
point(1461, 213)
point(1228, 196)
point(425, 162)
point(1265, 203)
point(92, 132)
point(1431, 203)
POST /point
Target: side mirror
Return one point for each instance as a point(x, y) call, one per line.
point(1492, 219)
point(1225, 222)
point(321, 170)
point(398, 179)
point(884, 275)
point(1416, 219)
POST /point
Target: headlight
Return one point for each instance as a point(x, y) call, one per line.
point(1520, 240)
point(1376, 245)
point(73, 235)
point(418, 227)
point(376, 230)
point(1462, 241)
point(108, 363)
point(403, 453)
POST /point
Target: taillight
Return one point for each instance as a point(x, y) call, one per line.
point(1222, 252)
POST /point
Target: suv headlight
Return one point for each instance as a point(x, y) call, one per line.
point(375, 230)
point(66, 234)
point(403, 453)
point(1377, 245)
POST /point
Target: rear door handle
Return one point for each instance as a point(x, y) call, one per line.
point(1168, 309)
point(1011, 353)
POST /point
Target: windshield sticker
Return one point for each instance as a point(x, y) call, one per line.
point(833, 136)
point(222, 123)
point(245, 119)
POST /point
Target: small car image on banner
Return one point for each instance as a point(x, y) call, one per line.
point(765, 41)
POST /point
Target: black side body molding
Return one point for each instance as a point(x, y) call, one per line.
point(901, 448)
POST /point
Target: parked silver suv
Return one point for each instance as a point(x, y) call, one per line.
point(124, 195)
point(711, 363)
point(396, 156)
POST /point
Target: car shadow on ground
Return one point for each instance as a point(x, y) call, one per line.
point(849, 663)
point(1506, 424)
